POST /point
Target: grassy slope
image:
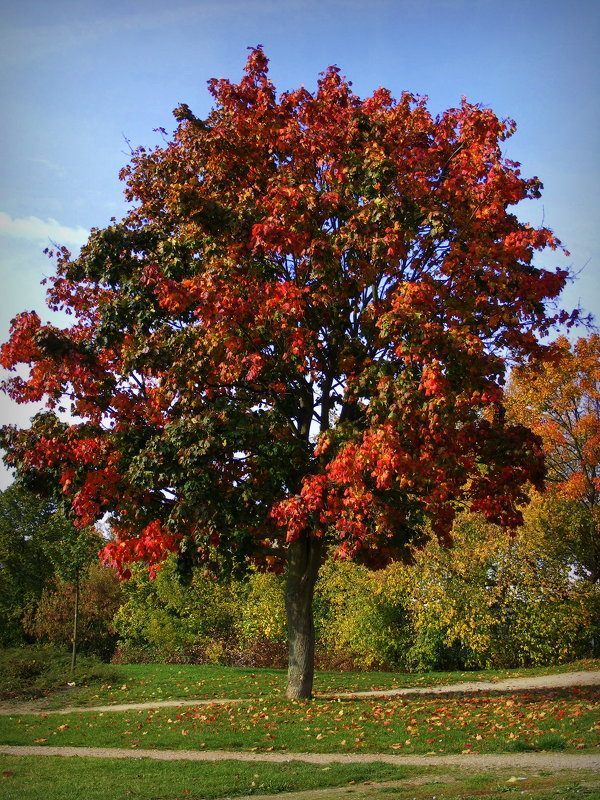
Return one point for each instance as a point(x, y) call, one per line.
point(492, 723)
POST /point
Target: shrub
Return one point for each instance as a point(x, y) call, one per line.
point(360, 615)
point(261, 616)
point(165, 620)
point(490, 601)
point(496, 601)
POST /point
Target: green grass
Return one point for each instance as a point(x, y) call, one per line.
point(265, 720)
point(34, 778)
point(106, 684)
point(148, 682)
point(97, 779)
point(541, 720)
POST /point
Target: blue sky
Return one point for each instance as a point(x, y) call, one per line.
point(83, 77)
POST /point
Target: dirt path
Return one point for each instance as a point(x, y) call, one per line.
point(475, 761)
point(510, 684)
point(591, 678)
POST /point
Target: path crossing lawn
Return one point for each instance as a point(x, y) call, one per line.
point(549, 726)
point(139, 682)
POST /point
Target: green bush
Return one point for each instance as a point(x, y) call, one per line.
point(261, 616)
point(164, 620)
point(361, 617)
point(490, 601)
point(496, 601)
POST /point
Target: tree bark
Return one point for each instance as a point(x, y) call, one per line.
point(75, 624)
point(304, 560)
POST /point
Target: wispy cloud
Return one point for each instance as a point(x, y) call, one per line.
point(45, 231)
point(23, 43)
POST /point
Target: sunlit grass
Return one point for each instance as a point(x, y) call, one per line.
point(32, 778)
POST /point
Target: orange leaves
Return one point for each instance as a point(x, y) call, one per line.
point(433, 380)
point(21, 347)
point(295, 512)
point(559, 399)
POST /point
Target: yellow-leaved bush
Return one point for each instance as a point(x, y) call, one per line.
point(360, 616)
point(495, 599)
point(262, 614)
point(165, 620)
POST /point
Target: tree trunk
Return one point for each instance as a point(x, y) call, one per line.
point(75, 623)
point(304, 560)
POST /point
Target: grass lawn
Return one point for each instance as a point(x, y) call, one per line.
point(31, 778)
point(521, 721)
point(98, 779)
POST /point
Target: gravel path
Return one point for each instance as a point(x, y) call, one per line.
point(475, 761)
point(591, 678)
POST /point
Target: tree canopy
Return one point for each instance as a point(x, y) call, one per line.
point(559, 399)
point(296, 339)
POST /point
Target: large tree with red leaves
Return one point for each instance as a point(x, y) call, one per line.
point(296, 340)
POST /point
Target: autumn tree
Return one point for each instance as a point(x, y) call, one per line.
point(560, 400)
point(295, 340)
point(97, 594)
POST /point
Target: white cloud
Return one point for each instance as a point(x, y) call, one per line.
point(44, 231)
